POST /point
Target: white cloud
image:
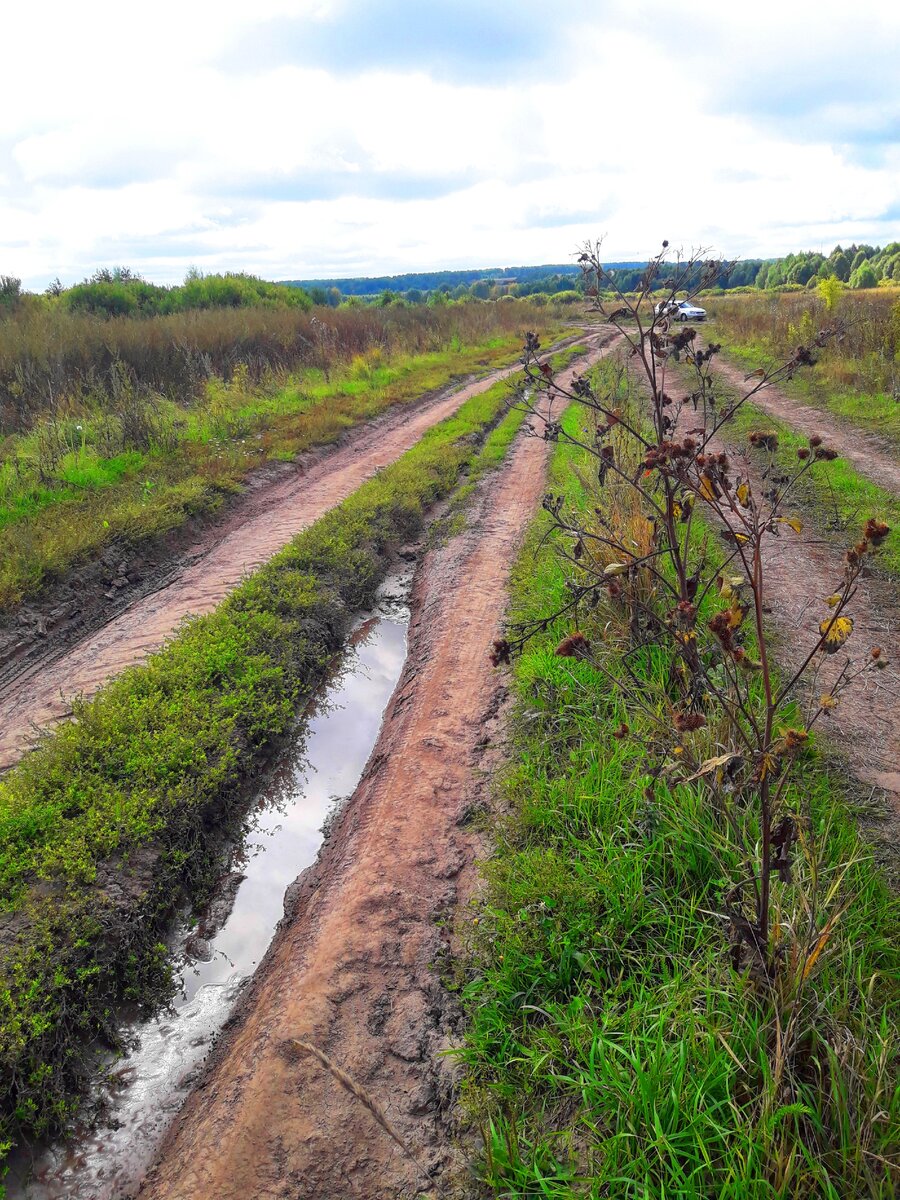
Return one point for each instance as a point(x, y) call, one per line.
point(137, 140)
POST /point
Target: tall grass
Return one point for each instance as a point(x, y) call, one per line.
point(138, 464)
point(857, 375)
point(59, 363)
point(611, 1050)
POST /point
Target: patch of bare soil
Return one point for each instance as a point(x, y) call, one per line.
point(800, 571)
point(354, 967)
point(867, 453)
point(43, 674)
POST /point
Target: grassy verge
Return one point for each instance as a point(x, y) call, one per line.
point(610, 1048)
point(117, 813)
point(71, 486)
point(877, 411)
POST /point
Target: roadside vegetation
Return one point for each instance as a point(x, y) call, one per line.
point(856, 375)
point(682, 977)
point(119, 815)
point(150, 422)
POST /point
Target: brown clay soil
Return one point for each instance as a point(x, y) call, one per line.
point(277, 505)
point(354, 967)
point(800, 571)
point(867, 453)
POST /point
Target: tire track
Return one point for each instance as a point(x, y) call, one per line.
point(254, 531)
point(352, 968)
point(869, 454)
point(800, 571)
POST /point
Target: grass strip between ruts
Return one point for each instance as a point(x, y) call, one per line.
point(118, 813)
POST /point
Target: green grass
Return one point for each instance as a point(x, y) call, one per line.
point(610, 1049)
point(67, 489)
point(875, 410)
point(134, 792)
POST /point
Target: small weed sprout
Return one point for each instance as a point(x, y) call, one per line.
point(726, 721)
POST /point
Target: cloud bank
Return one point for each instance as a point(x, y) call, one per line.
point(339, 137)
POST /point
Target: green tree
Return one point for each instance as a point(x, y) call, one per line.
point(830, 290)
point(10, 292)
point(839, 264)
point(864, 277)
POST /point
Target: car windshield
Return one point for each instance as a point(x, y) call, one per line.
point(686, 304)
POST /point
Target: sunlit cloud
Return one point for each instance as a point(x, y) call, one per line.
point(296, 138)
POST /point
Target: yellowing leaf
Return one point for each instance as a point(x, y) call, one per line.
point(729, 585)
point(768, 765)
point(707, 489)
point(820, 944)
point(713, 764)
point(835, 631)
point(833, 601)
point(827, 701)
point(743, 494)
point(795, 523)
point(736, 614)
point(615, 569)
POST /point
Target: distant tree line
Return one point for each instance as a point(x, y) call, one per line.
point(429, 281)
point(121, 292)
point(857, 266)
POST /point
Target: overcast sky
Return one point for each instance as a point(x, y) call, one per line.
point(299, 138)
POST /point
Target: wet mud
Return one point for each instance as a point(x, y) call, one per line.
point(106, 1159)
point(355, 968)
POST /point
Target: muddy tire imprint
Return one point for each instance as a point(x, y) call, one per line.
point(272, 511)
point(801, 570)
point(354, 968)
point(867, 453)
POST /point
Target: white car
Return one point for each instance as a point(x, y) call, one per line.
point(680, 310)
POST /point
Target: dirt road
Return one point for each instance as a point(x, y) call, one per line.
point(353, 970)
point(263, 521)
point(801, 570)
point(870, 455)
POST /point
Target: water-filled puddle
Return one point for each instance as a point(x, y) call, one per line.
point(321, 767)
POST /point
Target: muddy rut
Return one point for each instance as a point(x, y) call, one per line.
point(801, 570)
point(867, 453)
point(354, 967)
point(263, 521)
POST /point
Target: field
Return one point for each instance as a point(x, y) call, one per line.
point(120, 435)
point(857, 375)
point(626, 845)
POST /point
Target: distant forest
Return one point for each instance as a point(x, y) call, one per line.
point(856, 266)
point(121, 292)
